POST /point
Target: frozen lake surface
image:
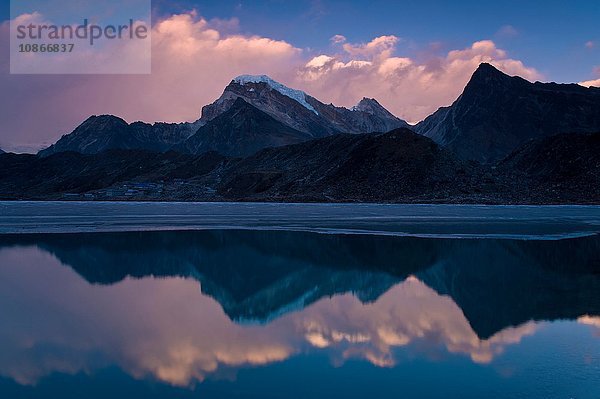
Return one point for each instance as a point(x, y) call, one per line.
point(461, 221)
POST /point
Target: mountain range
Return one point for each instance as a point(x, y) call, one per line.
point(504, 140)
point(494, 115)
point(274, 115)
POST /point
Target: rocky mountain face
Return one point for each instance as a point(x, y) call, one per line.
point(107, 132)
point(367, 116)
point(496, 113)
point(301, 111)
point(242, 130)
point(1, 152)
point(566, 166)
point(398, 166)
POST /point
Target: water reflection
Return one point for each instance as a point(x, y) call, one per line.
point(183, 306)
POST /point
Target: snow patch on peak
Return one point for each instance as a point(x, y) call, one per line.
point(294, 94)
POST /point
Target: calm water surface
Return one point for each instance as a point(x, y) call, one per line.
point(230, 313)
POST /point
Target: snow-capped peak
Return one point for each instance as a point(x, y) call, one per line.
point(294, 94)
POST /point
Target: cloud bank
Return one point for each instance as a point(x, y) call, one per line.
point(193, 60)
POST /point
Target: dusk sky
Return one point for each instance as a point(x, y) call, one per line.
point(412, 56)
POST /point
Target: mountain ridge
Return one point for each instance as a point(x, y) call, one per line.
point(395, 167)
point(106, 132)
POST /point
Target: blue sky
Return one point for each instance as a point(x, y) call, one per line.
point(549, 35)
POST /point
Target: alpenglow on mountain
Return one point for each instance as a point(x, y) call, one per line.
point(297, 95)
point(302, 111)
point(274, 115)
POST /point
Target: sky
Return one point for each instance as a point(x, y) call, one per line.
point(412, 56)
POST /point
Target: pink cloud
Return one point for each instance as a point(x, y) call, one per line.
point(591, 83)
point(380, 46)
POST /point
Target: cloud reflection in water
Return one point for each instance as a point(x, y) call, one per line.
point(54, 321)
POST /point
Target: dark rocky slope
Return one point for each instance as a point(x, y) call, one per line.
point(242, 130)
point(399, 166)
point(396, 166)
point(565, 167)
point(497, 113)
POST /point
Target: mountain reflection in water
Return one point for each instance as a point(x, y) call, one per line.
point(182, 306)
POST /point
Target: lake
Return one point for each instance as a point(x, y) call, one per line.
point(298, 301)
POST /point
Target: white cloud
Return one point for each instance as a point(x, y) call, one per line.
point(593, 82)
point(336, 39)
